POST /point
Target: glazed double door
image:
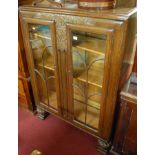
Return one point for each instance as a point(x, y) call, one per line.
point(87, 70)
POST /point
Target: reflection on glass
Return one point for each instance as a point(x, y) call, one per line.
point(88, 63)
point(43, 56)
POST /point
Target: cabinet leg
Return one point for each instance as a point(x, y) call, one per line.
point(103, 146)
point(42, 114)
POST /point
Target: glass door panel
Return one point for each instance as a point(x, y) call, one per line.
point(88, 54)
point(44, 63)
point(79, 111)
point(79, 100)
point(92, 117)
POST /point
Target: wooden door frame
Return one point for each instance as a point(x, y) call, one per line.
point(108, 32)
point(24, 22)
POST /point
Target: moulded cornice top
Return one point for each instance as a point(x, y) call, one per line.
point(116, 14)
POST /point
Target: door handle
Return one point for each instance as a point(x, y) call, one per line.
point(55, 67)
point(23, 78)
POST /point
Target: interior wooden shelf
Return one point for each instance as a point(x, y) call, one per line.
point(42, 36)
point(93, 45)
point(92, 78)
point(92, 116)
point(31, 40)
point(93, 104)
point(90, 103)
point(48, 64)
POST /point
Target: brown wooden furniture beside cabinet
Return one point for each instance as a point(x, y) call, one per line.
point(96, 4)
point(24, 2)
point(126, 3)
point(135, 64)
point(25, 96)
point(75, 58)
point(125, 141)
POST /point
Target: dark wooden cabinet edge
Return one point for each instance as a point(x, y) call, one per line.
point(28, 98)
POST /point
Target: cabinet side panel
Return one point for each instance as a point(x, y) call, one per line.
point(116, 63)
point(130, 47)
point(129, 51)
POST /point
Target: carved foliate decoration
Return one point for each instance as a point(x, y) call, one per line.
point(61, 21)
